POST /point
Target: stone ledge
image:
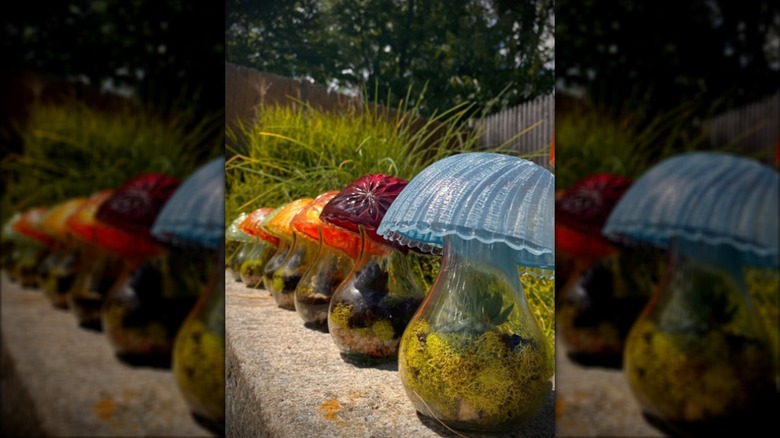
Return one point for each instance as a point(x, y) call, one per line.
point(285, 380)
point(61, 380)
point(594, 401)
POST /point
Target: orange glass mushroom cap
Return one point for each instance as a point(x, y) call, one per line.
point(308, 219)
point(29, 224)
point(251, 225)
point(309, 224)
point(93, 232)
point(55, 221)
point(279, 223)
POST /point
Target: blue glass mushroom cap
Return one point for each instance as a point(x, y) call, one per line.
point(485, 196)
point(194, 216)
point(703, 200)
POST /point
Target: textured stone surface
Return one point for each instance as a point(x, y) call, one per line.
point(286, 380)
point(595, 402)
point(61, 380)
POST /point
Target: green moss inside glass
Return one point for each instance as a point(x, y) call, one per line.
point(369, 311)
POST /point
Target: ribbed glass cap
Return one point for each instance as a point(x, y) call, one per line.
point(486, 196)
point(194, 216)
point(703, 198)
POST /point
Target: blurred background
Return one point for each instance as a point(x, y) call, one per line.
point(638, 83)
point(655, 77)
point(98, 96)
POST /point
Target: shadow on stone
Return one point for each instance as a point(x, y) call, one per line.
point(317, 327)
point(377, 364)
point(92, 326)
point(208, 424)
point(137, 360)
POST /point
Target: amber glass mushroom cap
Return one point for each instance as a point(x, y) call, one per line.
point(55, 221)
point(280, 223)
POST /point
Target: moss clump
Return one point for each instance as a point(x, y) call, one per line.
point(600, 338)
point(490, 381)
point(251, 272)
point(690, 377)
point(377, 341)
point(340, 314)
point(199, 367)
point(152, 338)
point(383, 330)
point(763, 284)
point(57, 285)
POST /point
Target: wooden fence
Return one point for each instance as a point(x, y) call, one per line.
point(527, 128)
point(246, 89)
point(753, 129)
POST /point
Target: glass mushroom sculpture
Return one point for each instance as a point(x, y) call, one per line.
point(63, 259)
point(143, 310)
point(104, 248)
point(193, 219)
point(285, 276)
point(237, 246)
point(369, 311)
point(260, 250)
point(336, 253)
point(473, 356)
point(10, 243)
point(36, 248)
point(697, 358)
point(610, 283)
point(580, 212)
point(282, 248)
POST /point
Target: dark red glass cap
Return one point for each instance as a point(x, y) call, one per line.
point(363, 202)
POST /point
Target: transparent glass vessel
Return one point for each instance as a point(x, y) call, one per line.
point(327, 271)
point(8, 251)
point(199, 355)
point(47, 263)
point(369, 311)
point(596, 310)
point(274, 262)
point(473, 357)
point(286, 277)
point(28, 257)
point(142, 315)
point(97, 273)
point(252, 267)
point(236, 256)
point(697, 359)
point(61, 273)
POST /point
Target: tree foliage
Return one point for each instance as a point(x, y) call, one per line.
point(665, 53)
point(164, 50)
point(497, 53)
